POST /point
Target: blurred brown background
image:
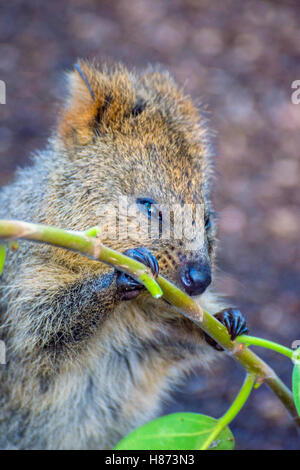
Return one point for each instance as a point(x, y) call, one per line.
point(240, 57)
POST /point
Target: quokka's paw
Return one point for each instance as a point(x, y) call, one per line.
point(234, 322)
point(128, 287)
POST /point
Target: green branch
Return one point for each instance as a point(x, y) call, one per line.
point(231, 413)
point(87, 243)
point(265, 343)
point(84, 243)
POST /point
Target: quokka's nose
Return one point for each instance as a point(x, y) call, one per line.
point(195, 277)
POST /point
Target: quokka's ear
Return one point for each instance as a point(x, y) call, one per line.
point(87, 98)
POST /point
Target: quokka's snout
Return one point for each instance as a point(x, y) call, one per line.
point(195, 277)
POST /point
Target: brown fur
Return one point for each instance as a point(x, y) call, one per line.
point(84, 368)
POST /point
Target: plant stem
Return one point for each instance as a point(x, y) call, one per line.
point(247, 358)
point(265, 343)
point(93, 248)
point(81, 242)
point(232, 411)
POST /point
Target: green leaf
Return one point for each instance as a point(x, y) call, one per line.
point(2, 257)
point(296, 380)
point(178, 431)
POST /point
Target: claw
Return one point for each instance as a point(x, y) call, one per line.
point(235, 323)
point(143, 255)
point(129, 287)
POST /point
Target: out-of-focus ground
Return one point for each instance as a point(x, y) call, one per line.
point(240, 57)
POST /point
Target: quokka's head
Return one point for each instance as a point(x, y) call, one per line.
point(138, 153)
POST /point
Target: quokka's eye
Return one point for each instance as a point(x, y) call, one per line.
point(148, 206)
point(207, 222)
